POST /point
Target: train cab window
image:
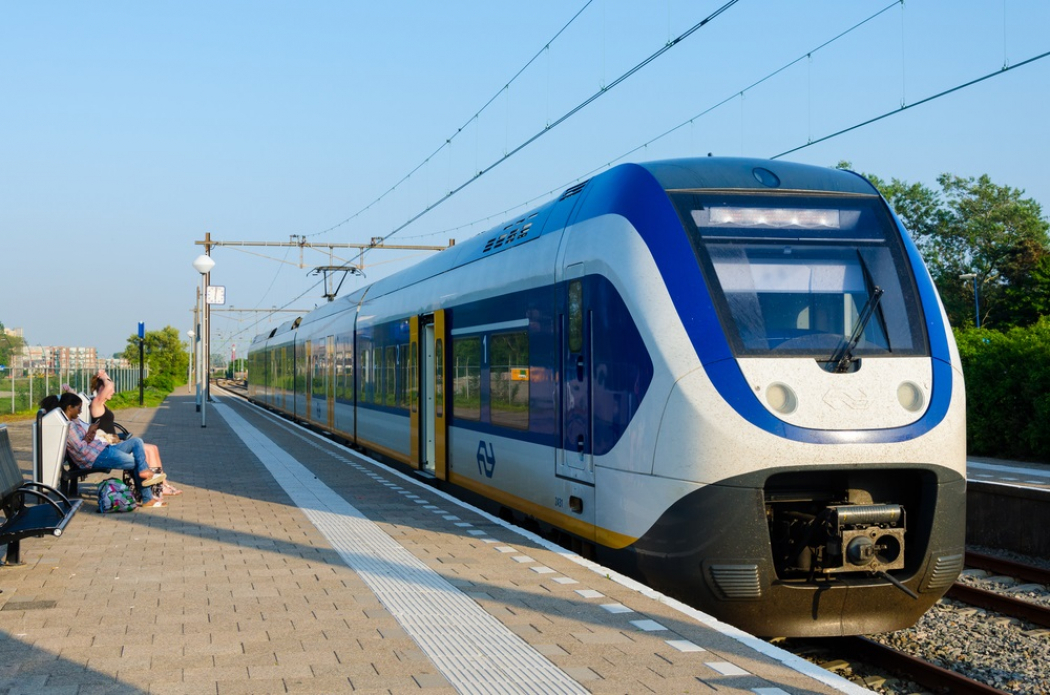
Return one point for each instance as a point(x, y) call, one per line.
point(509, 380)
point(792, 274)
point(466, 378)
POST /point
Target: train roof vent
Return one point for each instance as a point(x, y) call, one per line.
point(295, 324)
point(272, 333)
point(570, 192)
point(511, 234)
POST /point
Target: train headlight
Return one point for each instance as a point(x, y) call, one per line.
point(910, 396)
point(781, 398)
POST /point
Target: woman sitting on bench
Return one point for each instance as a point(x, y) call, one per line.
point(102, 388)
point(87, 451)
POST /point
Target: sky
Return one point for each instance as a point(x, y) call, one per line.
point(129, 130)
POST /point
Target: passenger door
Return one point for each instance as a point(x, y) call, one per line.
point(575, 459)
point(428, 424)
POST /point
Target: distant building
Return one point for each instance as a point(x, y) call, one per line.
point(55, 359)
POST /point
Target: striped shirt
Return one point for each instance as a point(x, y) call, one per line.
point(83, 453)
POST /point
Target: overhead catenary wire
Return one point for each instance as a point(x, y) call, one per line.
point(810, 141)
point(604, 89)
point(905, 107)
point(734, 95)
point(448, 141)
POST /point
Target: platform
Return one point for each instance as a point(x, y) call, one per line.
point(292, 564)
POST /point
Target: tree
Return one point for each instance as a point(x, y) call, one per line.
point(164, 352)
point(973, 225)
point(9, 345)
point(995, 233)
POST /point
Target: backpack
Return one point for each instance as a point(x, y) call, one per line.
point(114, 496)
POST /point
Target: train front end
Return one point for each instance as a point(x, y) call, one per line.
point(826, 428)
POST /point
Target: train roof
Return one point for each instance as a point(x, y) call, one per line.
point(743, 173)
point(721, 173)
point(674, 174)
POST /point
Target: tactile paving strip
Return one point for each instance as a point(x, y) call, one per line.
point(473, 650)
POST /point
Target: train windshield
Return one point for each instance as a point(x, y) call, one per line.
point(793, 274)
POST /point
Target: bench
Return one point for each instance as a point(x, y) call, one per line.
point(53, 467)
point(30, 508)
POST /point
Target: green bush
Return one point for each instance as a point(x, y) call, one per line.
point(160, 382)
point(1007, 390)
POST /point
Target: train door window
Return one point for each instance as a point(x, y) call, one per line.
point(439, 378)
point(377, 376)
point(466, 378)
point(403, 387)
point(411, 377)
point(576, 316)
point(389, 375)
point(320, 369)
point(509, 380)
point(338, 368)
point(362, 384)
point(346, 368)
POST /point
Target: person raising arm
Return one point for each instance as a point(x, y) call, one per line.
point(88, 451)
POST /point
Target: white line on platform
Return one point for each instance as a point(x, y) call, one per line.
point(473, 650)
point(790, 660)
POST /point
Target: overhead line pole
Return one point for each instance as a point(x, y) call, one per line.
point(301, 242)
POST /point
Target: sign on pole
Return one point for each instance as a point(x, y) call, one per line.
point(142, 369)
point(215, 294)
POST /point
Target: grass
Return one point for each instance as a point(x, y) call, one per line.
point(130, 399)
point(125, 399)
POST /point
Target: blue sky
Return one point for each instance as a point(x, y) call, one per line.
point(128, 130)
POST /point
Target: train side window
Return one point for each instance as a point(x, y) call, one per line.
point(509, 380)
point(466, 378)
point(576, 316)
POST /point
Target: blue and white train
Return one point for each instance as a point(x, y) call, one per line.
point(731, 378)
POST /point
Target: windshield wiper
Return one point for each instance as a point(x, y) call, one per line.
point(843, 357)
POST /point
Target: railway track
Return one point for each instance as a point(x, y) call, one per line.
point(913, 668)
point(871, 654)
point(1004, 602)
point(1000, 565)
point(984, 652)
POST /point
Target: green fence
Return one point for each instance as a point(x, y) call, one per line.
point(23, 394)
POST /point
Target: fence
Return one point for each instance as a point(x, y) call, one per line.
point(23, 394)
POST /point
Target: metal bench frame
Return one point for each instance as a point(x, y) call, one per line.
point(30, 508)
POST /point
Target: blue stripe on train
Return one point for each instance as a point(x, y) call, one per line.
point(632, 192)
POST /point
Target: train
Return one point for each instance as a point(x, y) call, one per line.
point(730, 378)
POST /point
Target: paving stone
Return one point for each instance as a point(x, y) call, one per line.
point(231, 588)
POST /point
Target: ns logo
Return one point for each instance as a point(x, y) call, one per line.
point(486, 459)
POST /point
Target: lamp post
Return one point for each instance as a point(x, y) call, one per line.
point(976, 297)
point(203, 265)
point(189, 365)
